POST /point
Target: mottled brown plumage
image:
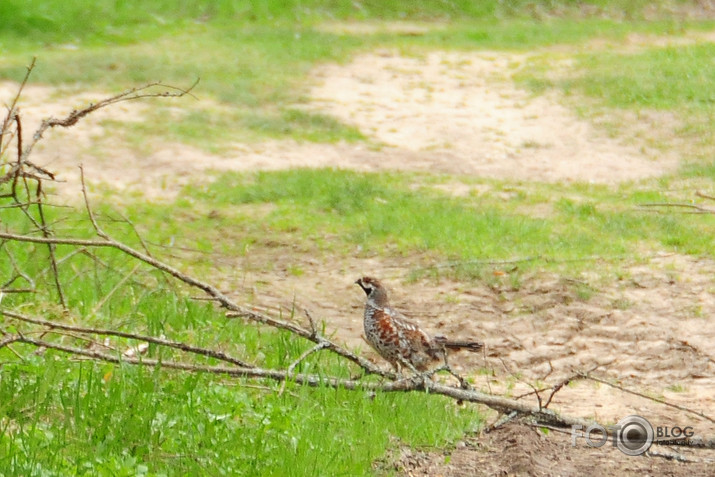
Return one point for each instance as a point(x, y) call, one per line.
point(399, 340)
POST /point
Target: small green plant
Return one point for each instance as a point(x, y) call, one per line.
point(621, 304)
point(677, 388)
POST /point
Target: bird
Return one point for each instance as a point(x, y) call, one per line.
point(398, 340)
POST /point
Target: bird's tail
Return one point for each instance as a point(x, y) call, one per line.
point(472, 346)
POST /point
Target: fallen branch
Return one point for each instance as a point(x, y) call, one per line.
point(404, 385)
point(12, 110)
point(219, 355)
point(694, 209)
point(130, 95)
point(509, 407)
point(223, 300)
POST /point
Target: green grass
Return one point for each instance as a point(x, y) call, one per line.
point(677, 80)
point(251, 80)
point(254, 58)
point(63, 417)
point(663, 78)
point(383, 212)
point(667, 78)
point(105, 20)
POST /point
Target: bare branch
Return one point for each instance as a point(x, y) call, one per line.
point(405, 385)
point(311, 321)
point(556, 387)
point(671, 456)
point(145, 246)
point(18, 271)
point(130, 95)
point(307, 334)
point(17, 290)
point(504, 419)
point(695, 209)
point(96, 226)
point(51, 247)
point(110, 243)
point(8, 339)
point(219, 355)
point(12, 109)
point(305, 354)
point(704, 196)
point(697, 351)
point(226, 302)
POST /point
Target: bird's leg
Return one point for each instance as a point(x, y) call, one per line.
point(409, 365)
point(417, 377)
point(398, 369)
point(462, 382)
point(446, 367)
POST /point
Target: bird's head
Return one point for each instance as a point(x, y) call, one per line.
point(373, 289)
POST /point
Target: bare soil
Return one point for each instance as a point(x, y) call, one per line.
point(448, 112)
point(518, 449)
point(460, 113)
point(652, 332)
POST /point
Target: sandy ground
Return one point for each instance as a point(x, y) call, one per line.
point(523, 450)
point(455, 113)
point(446, 112)
point(651, 333)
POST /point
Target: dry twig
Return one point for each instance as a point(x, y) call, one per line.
point(404, 385)
point(219, 355)
point(690, 208)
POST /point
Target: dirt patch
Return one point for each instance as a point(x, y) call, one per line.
point(445, 112)
point(459, 113)
point(651, 332)
point(517, 449)
point(376, 28)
